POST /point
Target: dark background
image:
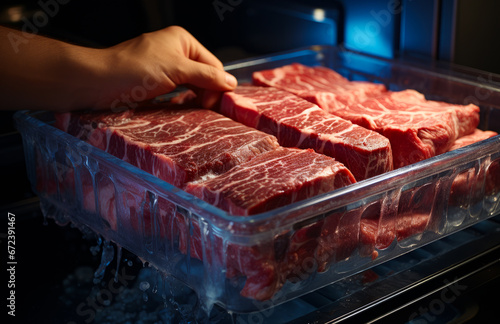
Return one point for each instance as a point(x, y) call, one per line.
point(463, 32)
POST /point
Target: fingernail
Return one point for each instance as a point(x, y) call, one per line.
point(231, 80)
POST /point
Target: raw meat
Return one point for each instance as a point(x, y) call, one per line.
point(207, 152)
point(373, 234)
point(276, 178)
point(299, 123)
point(270, 180)
point(338, 238)
point(415, 206)
point(320, 85)
point(417, 128)
point(466, 187)
point(395, 218)
point(176, 145)
point(477, 136)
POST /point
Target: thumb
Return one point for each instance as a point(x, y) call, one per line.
point(206, 76)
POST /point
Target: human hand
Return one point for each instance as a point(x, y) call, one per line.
point(156, 63)
point(44, 73)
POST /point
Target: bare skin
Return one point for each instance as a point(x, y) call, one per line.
point(43, 73)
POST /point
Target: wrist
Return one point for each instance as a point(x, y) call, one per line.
point(85, 73)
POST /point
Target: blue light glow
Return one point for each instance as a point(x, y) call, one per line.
point(370, 27)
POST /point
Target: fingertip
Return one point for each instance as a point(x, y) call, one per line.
point(231, 80)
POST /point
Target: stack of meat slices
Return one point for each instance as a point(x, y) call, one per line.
point(417, 129)
point(308, 131)
point(237, 168)
point(297, 122)
point(320, 85)
point(467, 188)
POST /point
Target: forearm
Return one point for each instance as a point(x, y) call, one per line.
point(43, 73)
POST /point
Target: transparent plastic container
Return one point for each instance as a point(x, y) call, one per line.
point(319, 240)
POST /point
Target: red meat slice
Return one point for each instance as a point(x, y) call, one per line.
point(398, 217)
point(415, 205)
point(299, 123)
point(270, 180)
point(299, 174)
point(477, 136)
point(176, 145)
point(338, 239)
point(467, 186)
point(320, 85)
point(407, 226)
point(417, 128)
point(492, 186)
point(276, 178)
